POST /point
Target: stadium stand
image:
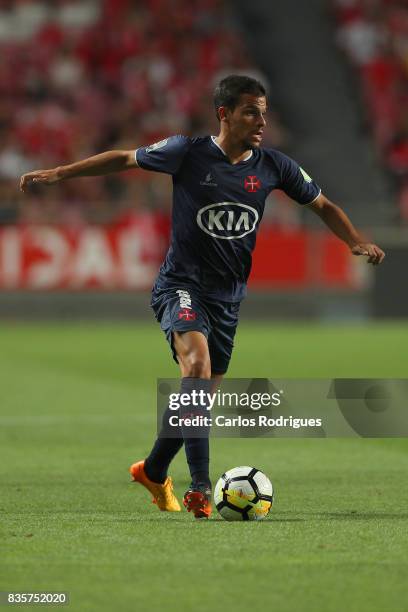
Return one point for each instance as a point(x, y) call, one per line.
point(374, 35)
point(79, 77)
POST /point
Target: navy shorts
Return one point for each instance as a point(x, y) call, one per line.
point(182, 310)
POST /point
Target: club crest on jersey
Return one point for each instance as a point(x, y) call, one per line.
point(252, 183)
point(227, 220)
point(156, 145)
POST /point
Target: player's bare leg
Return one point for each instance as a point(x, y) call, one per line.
point(192, 354)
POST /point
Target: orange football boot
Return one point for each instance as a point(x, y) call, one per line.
point(163, 494)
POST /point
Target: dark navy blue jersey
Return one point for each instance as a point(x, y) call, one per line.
point(217, 209)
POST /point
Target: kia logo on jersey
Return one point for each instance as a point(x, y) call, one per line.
point(252, 183)
point(227, 220)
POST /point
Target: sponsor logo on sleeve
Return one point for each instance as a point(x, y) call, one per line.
point(157, 145)
point(305, 175)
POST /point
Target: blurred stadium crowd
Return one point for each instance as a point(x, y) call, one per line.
point(79, 77)
point(82, 76)
point(374, 34)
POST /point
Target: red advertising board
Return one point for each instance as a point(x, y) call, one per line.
point(300, 259)
point(127, 256)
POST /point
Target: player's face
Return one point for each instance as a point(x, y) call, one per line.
point(247, 121)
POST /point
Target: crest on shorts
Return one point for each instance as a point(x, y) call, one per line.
point(187, 314)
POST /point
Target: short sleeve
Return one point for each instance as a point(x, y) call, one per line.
point(164, 156)
point(295, 182)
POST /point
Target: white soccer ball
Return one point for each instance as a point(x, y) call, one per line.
point(243, 494)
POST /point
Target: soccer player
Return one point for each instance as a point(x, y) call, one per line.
point(220, 184)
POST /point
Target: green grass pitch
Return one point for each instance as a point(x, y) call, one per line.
point(77, 406)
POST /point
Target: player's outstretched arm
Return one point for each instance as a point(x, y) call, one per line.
point(336, 219)
point(104, 163)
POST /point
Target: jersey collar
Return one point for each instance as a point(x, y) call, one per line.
point(224, 153)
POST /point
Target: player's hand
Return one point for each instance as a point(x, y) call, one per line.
point(44, 177)
point(372, 251)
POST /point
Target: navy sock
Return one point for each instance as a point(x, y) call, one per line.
point(164, 450)
point(196, 442)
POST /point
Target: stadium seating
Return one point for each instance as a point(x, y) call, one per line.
point(374, 34)
point(79, 77)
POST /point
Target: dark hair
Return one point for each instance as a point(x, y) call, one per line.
point(229, 90)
